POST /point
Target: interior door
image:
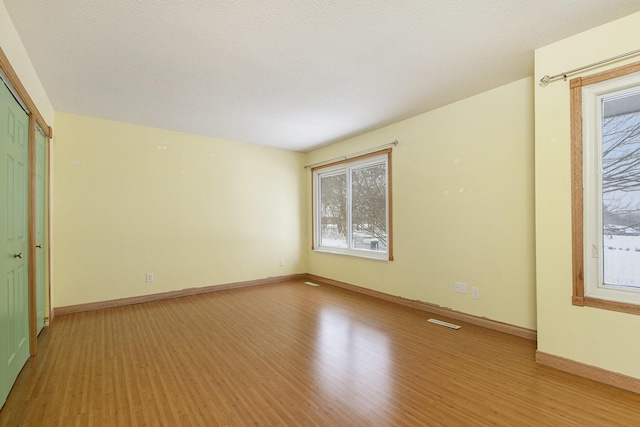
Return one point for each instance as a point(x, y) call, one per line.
point(14, 312)
point(41, 141)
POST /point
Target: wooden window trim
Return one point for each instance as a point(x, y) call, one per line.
point(387, 151)
point(577, 195)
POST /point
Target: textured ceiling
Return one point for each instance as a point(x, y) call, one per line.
point(284, 73)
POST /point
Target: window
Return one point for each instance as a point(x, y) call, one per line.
point(352, 206)
point(605, 131)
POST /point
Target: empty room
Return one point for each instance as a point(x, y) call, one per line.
point(319, 213)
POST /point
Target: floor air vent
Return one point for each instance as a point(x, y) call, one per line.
point(448, 325)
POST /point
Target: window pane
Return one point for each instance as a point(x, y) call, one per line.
point(368, 207)
point(621, 189)
point(333, 210)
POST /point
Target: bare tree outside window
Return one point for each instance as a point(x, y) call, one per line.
point(369, 197)
point(333, 198)
point(621, 189)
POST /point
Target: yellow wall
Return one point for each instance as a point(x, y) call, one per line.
point(194, 211)
point(463, 189)
point(596, 337)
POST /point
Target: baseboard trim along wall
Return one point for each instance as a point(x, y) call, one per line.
point(172, 294)
point(419, 305)
point(587, 371)
point(434, 309)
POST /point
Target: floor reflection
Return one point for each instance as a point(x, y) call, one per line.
point(353, 363)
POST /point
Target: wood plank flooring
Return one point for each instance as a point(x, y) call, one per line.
point(294, 355)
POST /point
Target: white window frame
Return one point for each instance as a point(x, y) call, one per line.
point(346, 166)
point(586, 192)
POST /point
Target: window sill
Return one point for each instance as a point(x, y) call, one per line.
point(381, 256)
point(622, 307)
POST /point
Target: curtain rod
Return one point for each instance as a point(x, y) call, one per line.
point(348, 156)
point(546, 79)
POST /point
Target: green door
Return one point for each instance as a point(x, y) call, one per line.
point(14, 311)
point(41, 143)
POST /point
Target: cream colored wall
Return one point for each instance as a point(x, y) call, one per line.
point(463, 189)
point(593, 336)
point(192, 210)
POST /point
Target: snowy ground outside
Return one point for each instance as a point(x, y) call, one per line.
point(622, 260)
point(334, 240)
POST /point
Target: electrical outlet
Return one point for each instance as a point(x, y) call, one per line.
point(281, 262)
point(149, 277)
point(295, 261)
point(475, 292)
point(460, 288)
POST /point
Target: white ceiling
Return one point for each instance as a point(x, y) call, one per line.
point(285, 73)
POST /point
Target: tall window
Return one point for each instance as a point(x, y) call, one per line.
point(352, 209)
point(606, 192)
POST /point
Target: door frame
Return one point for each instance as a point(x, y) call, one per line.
point(34, 118)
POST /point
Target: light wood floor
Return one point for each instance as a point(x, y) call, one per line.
point(295, 355)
